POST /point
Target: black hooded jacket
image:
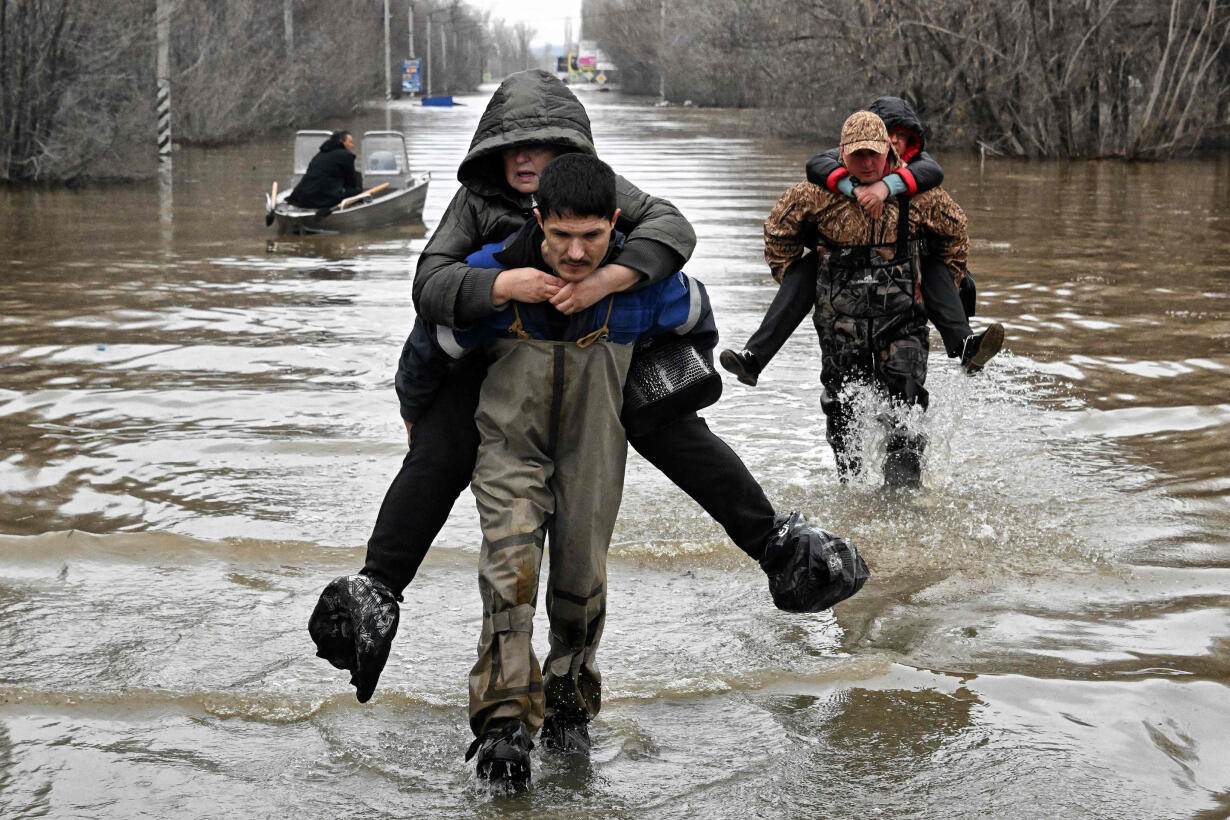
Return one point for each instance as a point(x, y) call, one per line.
point(330, 178)
point(920, 173)
point(529, 107)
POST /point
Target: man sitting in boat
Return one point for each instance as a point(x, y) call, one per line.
point(331, 175)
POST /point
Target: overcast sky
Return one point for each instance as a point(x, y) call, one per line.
point(545, 15)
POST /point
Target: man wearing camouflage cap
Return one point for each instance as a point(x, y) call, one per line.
point(869, 313)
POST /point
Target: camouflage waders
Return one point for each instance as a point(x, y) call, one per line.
point(872, 329)
point(550, 467)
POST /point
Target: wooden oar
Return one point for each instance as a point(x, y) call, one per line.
point(357, 197)
point(273, 203)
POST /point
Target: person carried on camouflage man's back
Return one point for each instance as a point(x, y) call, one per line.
point(868, 305)
point(947, 308)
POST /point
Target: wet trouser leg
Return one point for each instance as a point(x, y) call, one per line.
point(506, 681)
point(790, 306)
point(703, 466)
point(900, 374)
point(845, 343)
point(943, 304)
point(588, 485)
point(903, 372)
point(549, 463)
point(433, 474)
point(890, 354)
point(839, 419)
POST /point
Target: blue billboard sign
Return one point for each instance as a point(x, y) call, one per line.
point(412, 76)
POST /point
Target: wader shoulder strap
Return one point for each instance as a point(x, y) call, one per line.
point(903, 226)
point(585, 341)
point(589, 338)
point(516, 327)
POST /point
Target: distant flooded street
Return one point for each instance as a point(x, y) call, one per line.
point(197, 425)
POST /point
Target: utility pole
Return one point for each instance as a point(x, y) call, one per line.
point(410, 25)
point(444, 57)
point(388, 79)
point(431, 75)
point(288, 29)
point(662, 52)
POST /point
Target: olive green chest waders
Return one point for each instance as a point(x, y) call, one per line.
point(550, 467)
point(873, 329)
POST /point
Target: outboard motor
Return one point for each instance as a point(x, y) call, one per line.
point(810, 569)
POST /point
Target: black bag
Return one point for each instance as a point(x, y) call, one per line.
point(668, 378)
point(810, 569)
point(353, 626)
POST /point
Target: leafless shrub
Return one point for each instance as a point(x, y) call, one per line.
point(77, 76)
point(1132, 78)
point(69, 85)
point(231, 75)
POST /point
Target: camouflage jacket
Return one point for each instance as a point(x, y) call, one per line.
point(808, 216)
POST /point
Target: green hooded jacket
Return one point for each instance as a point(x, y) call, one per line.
point(529, 107)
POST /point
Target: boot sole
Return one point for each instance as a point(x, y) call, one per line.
point(992, 341)
point(731, 362)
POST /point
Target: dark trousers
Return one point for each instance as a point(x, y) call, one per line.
point(797, 295)
point(942, 301)
point(793, 302)
point(703, 466)
point(441, 459)
point(435, 471)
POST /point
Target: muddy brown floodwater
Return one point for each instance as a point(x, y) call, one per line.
point(197, 425)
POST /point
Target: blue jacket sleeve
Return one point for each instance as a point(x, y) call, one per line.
point(484, 257)
point(683, 309)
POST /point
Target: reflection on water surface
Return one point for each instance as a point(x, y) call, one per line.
point(197, 425)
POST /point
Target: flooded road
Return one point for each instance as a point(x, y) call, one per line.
point(197, 425)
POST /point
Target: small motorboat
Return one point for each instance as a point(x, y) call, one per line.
point(394, 195)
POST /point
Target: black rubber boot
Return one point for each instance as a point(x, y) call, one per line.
point(903, 461)
point(503, 755)
point(743, 364)
point(566, 732)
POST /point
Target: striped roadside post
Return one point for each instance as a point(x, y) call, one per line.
point(163, 101)
point(163, 107)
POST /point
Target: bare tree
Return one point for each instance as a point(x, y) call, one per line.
point(1133, 78)
point(76, 76)
point(70, 87)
